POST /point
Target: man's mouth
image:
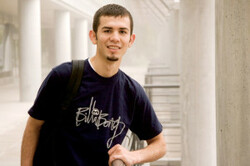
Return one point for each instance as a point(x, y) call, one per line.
point(114, 47)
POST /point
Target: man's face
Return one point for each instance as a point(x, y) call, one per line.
point(113, 37)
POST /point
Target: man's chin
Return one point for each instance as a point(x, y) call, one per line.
point(112, 59)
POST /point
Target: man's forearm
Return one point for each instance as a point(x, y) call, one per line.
point(156, 149)
point(29, 143)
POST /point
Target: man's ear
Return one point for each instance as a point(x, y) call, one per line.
point(92, 36)
point(131, 41)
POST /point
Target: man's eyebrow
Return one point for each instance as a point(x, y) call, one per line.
point(122, 28)
point(107, 28)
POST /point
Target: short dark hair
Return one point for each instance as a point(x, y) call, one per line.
point(111, 10)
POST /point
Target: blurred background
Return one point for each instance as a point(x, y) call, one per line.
point(191, 57)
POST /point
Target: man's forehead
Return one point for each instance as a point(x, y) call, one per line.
point(112, 21)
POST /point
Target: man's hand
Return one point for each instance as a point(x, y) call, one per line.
point(119, 152)
point(155, 149)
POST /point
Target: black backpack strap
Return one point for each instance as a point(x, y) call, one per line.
point(74, 83)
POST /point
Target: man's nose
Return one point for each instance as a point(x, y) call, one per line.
point(115, 37)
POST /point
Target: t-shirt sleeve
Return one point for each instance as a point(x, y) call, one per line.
point(145, 122)
point(49, 96)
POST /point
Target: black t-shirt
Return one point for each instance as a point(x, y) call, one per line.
point(98, 118)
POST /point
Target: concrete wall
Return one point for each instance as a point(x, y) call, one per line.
point(233, 82)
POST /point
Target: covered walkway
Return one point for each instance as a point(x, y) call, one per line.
point(204, 44)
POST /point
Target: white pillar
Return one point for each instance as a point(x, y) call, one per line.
point(171, 42)
point(30, 48)
point(198, 82)
point(233, 82)
point(92, 50)
point(62, 37)
point(81, 39)
point(8, 52)
point(91, 46)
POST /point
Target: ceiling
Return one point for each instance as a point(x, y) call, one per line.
point(153, 11)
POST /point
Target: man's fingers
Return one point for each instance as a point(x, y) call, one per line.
point(113, 149)
point(116, 153)
point(118, 162)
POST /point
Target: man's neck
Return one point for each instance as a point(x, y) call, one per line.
point(104, 68)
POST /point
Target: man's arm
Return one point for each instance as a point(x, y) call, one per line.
point(155, 149)
point(30, 140)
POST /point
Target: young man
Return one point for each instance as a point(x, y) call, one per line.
point(108, 103)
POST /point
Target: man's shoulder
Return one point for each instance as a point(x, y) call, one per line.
point(64, 68)
point(58, 74)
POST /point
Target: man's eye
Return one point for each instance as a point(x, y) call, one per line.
point(107, 31)
point(123, 32)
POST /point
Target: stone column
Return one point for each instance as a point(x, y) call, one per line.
point(8, 51)
point(81, 39)
point(171, 44)
point(198, 82)
point(91, 46)
point(233, 82)
point(30, 48)
point(62, 37)
point(92, 49)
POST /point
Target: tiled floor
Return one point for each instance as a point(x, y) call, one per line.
point(13, 115)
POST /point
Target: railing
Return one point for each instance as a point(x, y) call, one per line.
point(118, 163)
point(132, 142)
point(162, 89)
